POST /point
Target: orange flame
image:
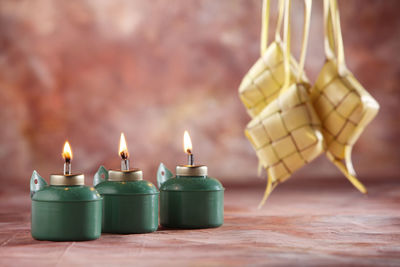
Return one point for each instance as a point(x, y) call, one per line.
point(187, 143)
point(67, 152)
point(123, 149)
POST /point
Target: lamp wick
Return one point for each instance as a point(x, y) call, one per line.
point(67, 166)
point(190, 158)
point(124, 161)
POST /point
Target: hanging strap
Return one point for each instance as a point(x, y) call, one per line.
point(265, 24)
point(329, 40)
point(281, 8)
point(333, 35)
point(304, 43)
point(286, 40)
point(338, 32)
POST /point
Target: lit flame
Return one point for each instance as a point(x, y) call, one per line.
point(67, 152)
point(123, 149)
point(187, 143)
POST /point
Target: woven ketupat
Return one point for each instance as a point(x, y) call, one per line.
point(286, 134)
point(265, 79)
point(343, 105)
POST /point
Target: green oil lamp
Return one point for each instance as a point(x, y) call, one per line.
point(192, 199)
point(130, 204)
point(65, 210)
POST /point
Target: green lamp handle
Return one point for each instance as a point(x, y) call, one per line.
point(163, 174)
point(100, 176)
point(37, 183)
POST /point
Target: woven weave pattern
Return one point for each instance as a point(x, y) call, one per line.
point(344, 107)
point(264, 80)
point(286, 134)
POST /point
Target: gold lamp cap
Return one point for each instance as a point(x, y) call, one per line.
point(191, 170)
point(129, 175)
point(67, 179)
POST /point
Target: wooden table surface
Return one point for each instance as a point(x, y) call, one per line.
point(311, 223)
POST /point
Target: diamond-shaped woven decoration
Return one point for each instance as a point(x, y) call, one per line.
point(345, 108)
point(265, 79)
point(286, 134)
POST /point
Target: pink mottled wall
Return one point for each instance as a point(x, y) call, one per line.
point(87, 70)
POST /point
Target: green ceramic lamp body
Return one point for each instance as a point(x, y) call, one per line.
point(129, 206)
point(64, 212)
point(190, 201)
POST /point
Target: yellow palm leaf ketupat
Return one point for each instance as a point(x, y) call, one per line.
point(286, 134)
point(265, 79)
point(343, 105)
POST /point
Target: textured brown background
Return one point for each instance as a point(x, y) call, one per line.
point(87, 70)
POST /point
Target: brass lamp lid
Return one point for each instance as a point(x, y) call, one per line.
point(191, 170)
point(67, 179)
point(129, 175)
